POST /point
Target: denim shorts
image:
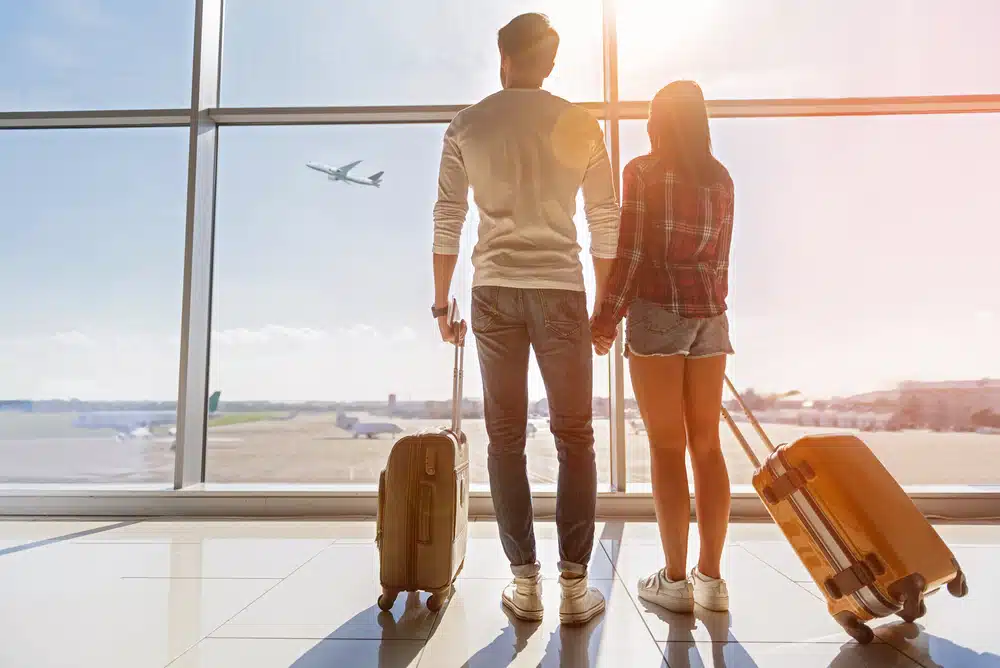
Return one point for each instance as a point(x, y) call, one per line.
point(652, 330)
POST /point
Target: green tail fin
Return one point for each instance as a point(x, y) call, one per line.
point(213, 402)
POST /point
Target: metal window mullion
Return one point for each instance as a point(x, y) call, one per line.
point(88, 120)
point(199, 238)
point(616, 371)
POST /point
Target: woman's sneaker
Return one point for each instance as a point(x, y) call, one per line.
point(710, 593)
point(523, 597)
point(674, 595)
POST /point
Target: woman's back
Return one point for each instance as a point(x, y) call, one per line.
point(677, 229)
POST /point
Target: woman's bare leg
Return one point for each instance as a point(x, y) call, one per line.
point(658, 383)
point(703, 381)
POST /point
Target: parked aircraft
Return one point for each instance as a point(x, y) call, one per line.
point(135, 424)
point(367, 429)
point(343, 174)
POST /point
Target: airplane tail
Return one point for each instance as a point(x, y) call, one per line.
point(376, 178)
point(213, 402)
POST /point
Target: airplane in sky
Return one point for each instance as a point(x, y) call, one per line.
point(136, 424)
point(367, 429)
point(342, 174)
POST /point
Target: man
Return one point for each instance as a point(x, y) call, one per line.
point(526, 155)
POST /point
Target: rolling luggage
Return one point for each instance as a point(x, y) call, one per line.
point(865, 543)
point(423, 506)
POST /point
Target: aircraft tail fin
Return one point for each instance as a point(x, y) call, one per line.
point(213, 402)
point(376, 178)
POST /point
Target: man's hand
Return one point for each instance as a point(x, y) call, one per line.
point(602, 344)
point(452, 332)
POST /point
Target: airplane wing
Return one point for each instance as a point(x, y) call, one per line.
point(348, 167)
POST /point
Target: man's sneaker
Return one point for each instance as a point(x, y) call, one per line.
point(674, 595)
point(523, 597)
point(710, 593)
point(580, 603)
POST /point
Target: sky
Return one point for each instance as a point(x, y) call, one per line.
point(864, 251)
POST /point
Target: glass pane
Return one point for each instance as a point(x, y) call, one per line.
point(821, 48)
point(394, 52)
point(864, 277)
point(322, 310)
point(115, 54)
point(92, 250)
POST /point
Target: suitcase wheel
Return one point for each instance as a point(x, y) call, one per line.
point(959, 587)
point(387, 599)
point(910, 616)
point(855, 627)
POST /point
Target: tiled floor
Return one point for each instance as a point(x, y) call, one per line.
point(302, 594)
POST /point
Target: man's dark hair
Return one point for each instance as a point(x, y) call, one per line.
point(531, 42)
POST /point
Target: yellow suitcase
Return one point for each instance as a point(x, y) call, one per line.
point(865, 543)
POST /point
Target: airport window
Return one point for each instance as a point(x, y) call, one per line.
point(322, 290)
point(116, 54)
point(93, 239)
point(863, 287)
point(824, 48)
point(394, 52)
point(861, 276)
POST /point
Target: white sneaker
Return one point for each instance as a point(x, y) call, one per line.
point(710, 593)
point(674, 595)
point(523, 597)
point(580, 603)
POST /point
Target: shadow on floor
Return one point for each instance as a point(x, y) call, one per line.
point(401, 639)
point(931, 650)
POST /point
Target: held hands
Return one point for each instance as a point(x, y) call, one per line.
point(602, 343)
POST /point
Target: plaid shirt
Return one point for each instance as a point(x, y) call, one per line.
point(673, 244)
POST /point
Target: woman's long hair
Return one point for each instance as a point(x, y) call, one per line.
point(678, 130)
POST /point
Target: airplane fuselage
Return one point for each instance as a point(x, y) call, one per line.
point(342, 174)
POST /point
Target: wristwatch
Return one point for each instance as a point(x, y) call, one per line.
point(439, 311)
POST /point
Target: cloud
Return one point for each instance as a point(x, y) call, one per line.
point(362, 331)
point(405, 334)
point(71, 338)
point(276, 334)
point(267, 334)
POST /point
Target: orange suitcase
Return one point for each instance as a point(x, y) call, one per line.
point(865, 543)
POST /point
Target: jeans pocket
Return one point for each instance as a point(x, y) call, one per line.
point(485, 311)
point(661, 321)
point(564, 312)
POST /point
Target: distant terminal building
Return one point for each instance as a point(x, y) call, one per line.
point(16, 406)
point(948, 405)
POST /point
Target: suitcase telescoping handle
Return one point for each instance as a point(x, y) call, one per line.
point(458, 372)
point(753, 421)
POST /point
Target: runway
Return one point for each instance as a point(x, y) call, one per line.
point(311, 449)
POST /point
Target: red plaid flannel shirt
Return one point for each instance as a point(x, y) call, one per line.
point(673, 245)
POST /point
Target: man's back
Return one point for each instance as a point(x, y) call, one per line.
point(526, 154)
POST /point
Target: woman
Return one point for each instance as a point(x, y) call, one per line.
point(671, 277)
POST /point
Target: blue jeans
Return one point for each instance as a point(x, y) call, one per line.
point(508, 323)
